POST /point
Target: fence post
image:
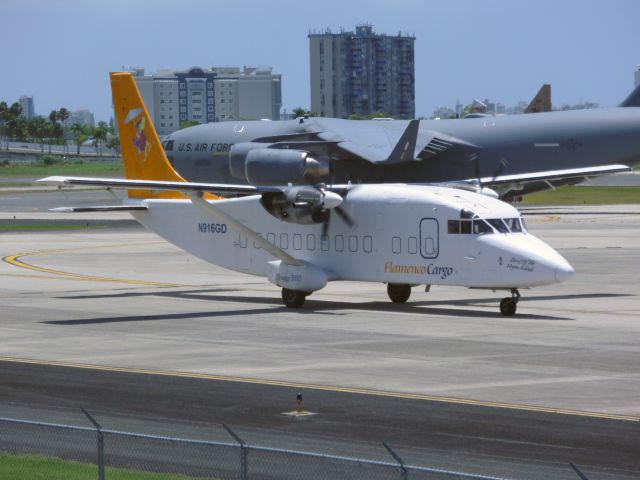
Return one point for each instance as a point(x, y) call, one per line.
point(100, 444)
point(244, 463)
point(404, 473)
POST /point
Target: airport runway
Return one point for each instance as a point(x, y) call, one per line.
point(117, 296)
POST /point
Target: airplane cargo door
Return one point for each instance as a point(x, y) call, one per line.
point(429, 233)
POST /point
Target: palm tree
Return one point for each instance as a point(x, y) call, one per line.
point(38, 128)
point(53, 118)
point(4, 112)
point(63, 115)
point(12, 125)
point(100, 135)
point(81, 133)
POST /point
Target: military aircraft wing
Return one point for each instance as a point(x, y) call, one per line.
point(551, 175)
point(380, 141)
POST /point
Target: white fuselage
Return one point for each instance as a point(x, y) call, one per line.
point(401, 235)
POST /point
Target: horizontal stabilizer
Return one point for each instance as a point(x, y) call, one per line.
point(106, 208)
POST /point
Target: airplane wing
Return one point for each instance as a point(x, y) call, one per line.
point(380, 141)
point(551, 175)
point(217, 188)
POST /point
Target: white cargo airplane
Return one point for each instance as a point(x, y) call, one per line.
point(400, 235)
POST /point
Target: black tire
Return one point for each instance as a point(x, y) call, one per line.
point(293, 298)
point(508, 306)
point(398, 292)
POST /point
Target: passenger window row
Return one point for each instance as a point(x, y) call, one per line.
point(297, 241)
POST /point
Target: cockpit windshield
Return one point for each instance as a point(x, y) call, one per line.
point(470, 223)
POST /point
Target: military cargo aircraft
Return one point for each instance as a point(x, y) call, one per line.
point(513, 155)
point(301, 237)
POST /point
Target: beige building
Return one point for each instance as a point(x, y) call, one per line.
point(215, 95)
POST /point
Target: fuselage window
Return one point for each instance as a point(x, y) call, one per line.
point(271, 238)
point(367, 244)
point(324, 243)
point(339, 243)
point(297, 241)
point(498, 224)
point(284, 241)
point(353, 243)
point(412, 245)
point(396, 245)
point(311, 242)
point(255, 245)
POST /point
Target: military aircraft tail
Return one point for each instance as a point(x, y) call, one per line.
point(142, 153)
point(542, 101)
point(633, 100)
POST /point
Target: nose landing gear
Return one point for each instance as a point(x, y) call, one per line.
point(508, 304)
point(398, 292)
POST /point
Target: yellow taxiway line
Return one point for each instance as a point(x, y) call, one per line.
point(16, 261)
point(328, 388)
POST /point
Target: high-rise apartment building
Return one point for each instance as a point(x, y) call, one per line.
point(215, 95)
point(28, 110)
point(362, 73)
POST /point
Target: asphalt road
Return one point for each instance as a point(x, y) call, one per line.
point(501, 441)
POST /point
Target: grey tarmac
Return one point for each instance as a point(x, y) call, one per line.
point(121, 297)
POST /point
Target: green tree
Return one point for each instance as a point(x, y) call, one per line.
point(4, 113)
point(63, 116)
point(81, 133)
point(14, 127)
point(188, 123)
point(114, 144)
point(53, 118)
point(300, 112)
point(100, 136)
point(37, 128)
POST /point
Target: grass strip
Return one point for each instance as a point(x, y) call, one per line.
point(35, 467)
point(585, 195)
point(4, 227)
point(39, 169)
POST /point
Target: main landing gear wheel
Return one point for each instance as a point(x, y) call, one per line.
point(398, 292)
point(508, 304)
point(293, 298)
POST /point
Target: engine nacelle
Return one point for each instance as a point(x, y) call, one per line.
point(302, 205)
point(305, 278)
point(259, 165)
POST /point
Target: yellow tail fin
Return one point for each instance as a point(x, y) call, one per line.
point(142, 153)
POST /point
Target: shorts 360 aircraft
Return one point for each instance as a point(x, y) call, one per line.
point(301, 237)
point(513, 155)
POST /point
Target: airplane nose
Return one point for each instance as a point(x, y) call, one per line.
point(564, 272)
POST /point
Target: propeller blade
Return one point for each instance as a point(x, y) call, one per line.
point(345, 217)
point(577, 470)
point(325, 227)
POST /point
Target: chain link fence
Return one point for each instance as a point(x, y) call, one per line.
point(31, 449)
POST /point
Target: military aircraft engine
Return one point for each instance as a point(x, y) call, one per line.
point(260, 165)
point(305, 205)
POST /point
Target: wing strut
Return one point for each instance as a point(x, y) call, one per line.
point(218, 214)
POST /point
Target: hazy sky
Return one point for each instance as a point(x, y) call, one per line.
point(60, 51)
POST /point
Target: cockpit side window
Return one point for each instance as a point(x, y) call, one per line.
point(168, 146)
point(514, 224)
